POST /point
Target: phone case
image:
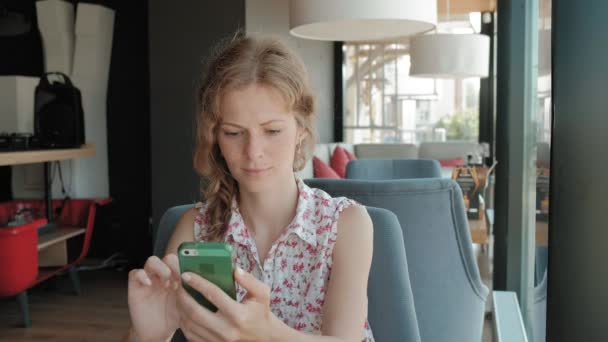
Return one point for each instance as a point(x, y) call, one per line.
point(212, 261)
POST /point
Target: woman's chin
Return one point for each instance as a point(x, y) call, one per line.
point(254, 182)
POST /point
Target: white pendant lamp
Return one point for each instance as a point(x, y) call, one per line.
point(360, 20)
point(450, 55)
point(446, 55)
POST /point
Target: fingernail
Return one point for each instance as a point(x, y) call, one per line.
point(240, 271)
point(147, 281)
point(186, 277)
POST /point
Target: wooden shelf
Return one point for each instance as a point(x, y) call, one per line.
point(39, 156)
point(58, 235)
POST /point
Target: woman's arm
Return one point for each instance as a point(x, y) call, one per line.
point(184, 231)
point(345, 306)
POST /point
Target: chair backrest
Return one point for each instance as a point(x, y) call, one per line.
point(166, 226)
point(449, 294)
point(383, 169)
point(391, 310)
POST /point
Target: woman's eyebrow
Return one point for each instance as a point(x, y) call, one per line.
point(262, 124)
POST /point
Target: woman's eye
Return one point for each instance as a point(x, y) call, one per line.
point(273, 131)
point(232, 134)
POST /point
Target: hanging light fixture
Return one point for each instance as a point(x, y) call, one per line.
point(446, 55)
point(360, 20)
point(450, 55)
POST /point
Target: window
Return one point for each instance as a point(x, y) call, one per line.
point(384, 104)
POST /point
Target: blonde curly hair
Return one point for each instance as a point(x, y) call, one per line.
point(237, 63)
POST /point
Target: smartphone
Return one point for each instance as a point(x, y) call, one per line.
point(210, 260)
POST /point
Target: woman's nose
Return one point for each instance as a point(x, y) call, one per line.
point(255, 147)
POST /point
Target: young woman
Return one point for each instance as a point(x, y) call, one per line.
point(302, 257)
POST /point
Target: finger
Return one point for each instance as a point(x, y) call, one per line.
point(140, 276)
point(255, 288)
point(192, 310)
point(172, 262)
point(156, 267)
point(212, 292)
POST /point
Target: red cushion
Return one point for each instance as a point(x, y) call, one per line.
point(322, 170)
point(451, 162)
point(350, 155)
point(338, 161)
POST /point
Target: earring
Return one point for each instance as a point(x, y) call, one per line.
point(298, 156)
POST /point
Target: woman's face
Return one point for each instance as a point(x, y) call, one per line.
point(257, 136)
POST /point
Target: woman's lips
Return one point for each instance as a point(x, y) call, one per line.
point(255, 172)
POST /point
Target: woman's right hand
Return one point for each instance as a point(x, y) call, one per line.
point(152, 299)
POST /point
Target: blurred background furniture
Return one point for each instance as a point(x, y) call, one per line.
point(391, 310)
point(379, 169)
point(19, 263)
point(441, 151)
point(45, 157)
point(449, 293)
point(47, 253)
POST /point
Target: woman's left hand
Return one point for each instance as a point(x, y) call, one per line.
point(250, 320)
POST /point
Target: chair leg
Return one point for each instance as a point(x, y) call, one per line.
point(25, 311)
point(75, 280)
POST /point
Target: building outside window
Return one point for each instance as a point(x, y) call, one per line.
point(384, 104)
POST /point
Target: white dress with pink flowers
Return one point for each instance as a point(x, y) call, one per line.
point(298, 265)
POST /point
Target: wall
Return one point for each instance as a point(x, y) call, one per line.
point(577, 308)
point(272, 17)
point(180, 34)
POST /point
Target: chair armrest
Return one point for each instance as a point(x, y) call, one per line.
point(508, 322)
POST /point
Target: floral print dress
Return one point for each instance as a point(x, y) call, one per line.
point(298, 265)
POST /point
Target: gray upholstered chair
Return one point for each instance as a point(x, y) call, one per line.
point(540, 263)
point(540, 310)
point(540, 293)
point(391, 310)
point(449, 294)
point(382, 169)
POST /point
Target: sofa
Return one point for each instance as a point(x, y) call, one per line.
point(426, 150)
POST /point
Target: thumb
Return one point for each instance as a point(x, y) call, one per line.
point(256, 290)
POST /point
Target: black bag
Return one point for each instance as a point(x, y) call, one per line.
point(58, 114)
